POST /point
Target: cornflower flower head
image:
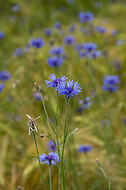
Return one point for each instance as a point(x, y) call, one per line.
point(32, 124)
point(48, 32)
point(124, 120)
point(70, 1)
point(78, 47)
point(18, 52)
point(86, 17)
point(119, 42)
point(94, 54)
point(1, 35)
point(4, 75)
point(110, 83)
point(26, 48)
point(69, 88)
point(15, 7)
point(57, 51)
point(55, 61)
point(58, 25)
point(1, 87)
point(98, 5)
point(55, 81)
point(89, 46)
point(84, 148)
point(37, 96)
point(113, 32)
point(86, 103)
point(69, 40)
point(37, 43)
point(101, 30)
point(82, 54)
point(51, 159)
point(51, 146)
point(72, 28)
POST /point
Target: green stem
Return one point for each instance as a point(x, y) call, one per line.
point(39, 159)
point(57, 140)
point(50, 185)
point(107, 180)
point(46, 112)
point(64, 141)
point(59, 181)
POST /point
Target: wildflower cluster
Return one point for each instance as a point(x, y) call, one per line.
point(111, 83)
point(4, 76)
point(67, 88)
point(88, 50)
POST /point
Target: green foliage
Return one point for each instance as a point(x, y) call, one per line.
point(108, 140)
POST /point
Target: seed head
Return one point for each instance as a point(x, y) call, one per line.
point(32, 124)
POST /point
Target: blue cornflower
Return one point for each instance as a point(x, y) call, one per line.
point(78, 47)
point(94, 54)
point(38, 43)
point(86, 103)
point(15, 7)
point(26, 48)
point(70, 1)
point(110, 83)
point(72, 28)
point(48, 32)
point(85, 148)
point(89, 46)
point(101, 30)
point(113, 32)
point(4, 75)
point(55, 61)
point(37, 96)
point(1, 35)
point(119, 42)
point(1, 87)
point(69, 90)
point(98, 5)
point(51, 146)
point(124, 120)
point(51, 159)
point(82, 54)
point(58, 25)
point(55, 81)
point(86, 17)
point(18, 52)
point(69, 40)
point(57, 51)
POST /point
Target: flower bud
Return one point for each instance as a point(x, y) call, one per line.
point(36, 86)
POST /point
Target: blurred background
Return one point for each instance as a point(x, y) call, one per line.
point(99, 115)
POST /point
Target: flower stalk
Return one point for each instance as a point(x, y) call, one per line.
point(39, 159)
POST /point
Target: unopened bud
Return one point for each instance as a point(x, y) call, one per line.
point(42, 136)
point(19, 187)
point(66, 78)
point(36, 86)
point(98, 162)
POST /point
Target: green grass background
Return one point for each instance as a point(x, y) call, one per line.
point(17, 149)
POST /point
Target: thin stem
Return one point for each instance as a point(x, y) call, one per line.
point(50, 185)
point(57, 140)
point(57, 122)
point(106, 177)
point(38, 159)
point(46, 112)
point(59, 181)
point(64, 141)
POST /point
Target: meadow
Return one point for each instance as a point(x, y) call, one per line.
point(81, 46)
